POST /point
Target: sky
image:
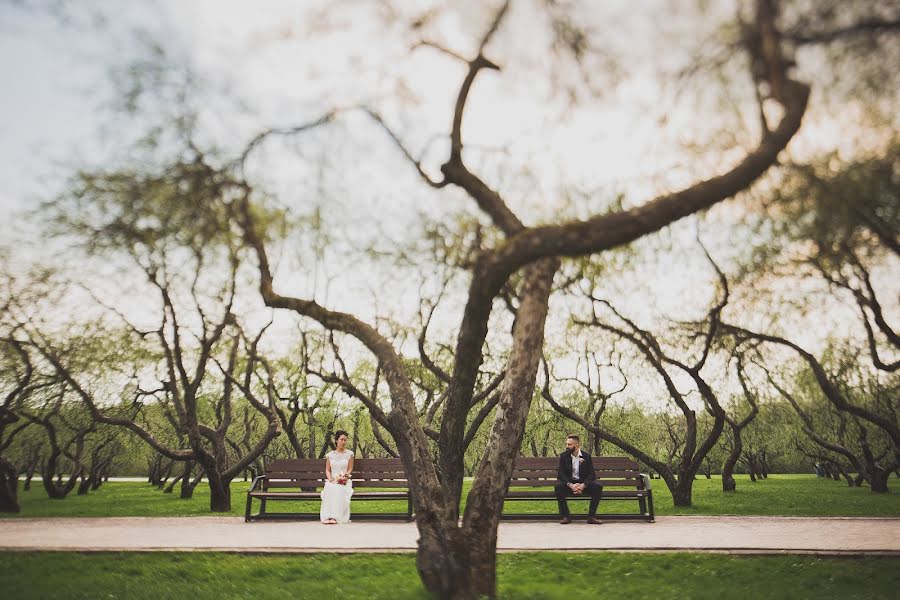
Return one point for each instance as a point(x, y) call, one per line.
point(286, 62)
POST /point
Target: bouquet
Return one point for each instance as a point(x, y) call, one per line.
point(342, 478)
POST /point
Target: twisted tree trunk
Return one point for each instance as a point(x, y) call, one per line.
point(9, 487)
point(728, 482)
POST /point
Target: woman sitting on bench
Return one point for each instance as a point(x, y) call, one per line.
point(338, 486)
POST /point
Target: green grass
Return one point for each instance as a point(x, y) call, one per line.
point(796, 495)
point(214, 576)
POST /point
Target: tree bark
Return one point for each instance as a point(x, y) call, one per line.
point(681, 493)
point(878, 480)
point(485, 501)
point(219, 492)
point(728, 482)
point(187, 484)
point(171, 487)
point(9, 487)
point(28, 476)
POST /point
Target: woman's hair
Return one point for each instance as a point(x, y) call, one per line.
point(339, 433)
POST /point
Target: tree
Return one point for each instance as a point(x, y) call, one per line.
point(18, 371)
point(849, 439)
point(689, 444)
point(186, 262)
point(737, 427)
point(458, 560)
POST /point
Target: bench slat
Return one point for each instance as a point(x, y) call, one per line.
point(600, 462)
point(298, 483)
point(295, 474)
point(293, 484)
point(617, 474)
point(316, 495)
point(550, 483)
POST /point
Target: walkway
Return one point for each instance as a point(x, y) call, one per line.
point(819, 535)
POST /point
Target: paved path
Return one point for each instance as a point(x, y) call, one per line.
point(716, 534)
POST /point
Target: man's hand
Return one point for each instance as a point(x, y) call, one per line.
point(578, 488)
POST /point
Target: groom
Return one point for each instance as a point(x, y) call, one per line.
point(576, 476)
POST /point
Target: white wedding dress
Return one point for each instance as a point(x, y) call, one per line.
point(336, 497)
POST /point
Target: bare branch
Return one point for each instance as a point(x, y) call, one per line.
point(396, 139)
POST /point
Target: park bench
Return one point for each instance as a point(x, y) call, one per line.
point(302, 480)
point(535, 478)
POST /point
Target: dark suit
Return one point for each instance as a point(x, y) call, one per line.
point(586, 475)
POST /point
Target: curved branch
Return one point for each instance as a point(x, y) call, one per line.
point(396, 139)
point(100, 417)
point(282, 131)
point(426, 360)
point(603, 232)
point(865, 27)
point(830, 391)
point(479, 419)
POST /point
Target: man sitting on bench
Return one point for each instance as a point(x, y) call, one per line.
point(576, 475)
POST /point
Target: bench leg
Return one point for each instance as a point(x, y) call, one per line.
point(247, 518)
point(409, 509)
point(642, 502)
point(650, 504)
point(262, 506)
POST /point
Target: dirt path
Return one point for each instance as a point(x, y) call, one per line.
point(717, 534)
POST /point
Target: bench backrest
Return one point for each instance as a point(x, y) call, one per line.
point(310, 473)
point(612, 471)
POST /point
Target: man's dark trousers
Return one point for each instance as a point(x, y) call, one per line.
point(592, 489)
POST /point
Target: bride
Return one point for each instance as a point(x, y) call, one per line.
point(338, 487)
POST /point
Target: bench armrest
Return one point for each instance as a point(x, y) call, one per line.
point(646, 479)
point(256, 482)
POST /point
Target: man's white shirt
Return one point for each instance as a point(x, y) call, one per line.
point(576, 465)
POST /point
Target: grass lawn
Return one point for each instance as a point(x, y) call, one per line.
point(796, 495)
point(522, 575)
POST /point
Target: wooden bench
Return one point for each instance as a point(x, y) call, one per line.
point(303, 479)
point(535, 478)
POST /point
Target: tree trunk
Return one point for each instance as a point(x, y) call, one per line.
point(98, 481)
point(752, 468)
point(30, 469)
point(187, 484)
point(171, 487)
point(219, 492)
point(847, 476)
point(27, 485)
point(728, 482)
point(454, 564)
point(9, 487)
point(459, 563)
point(442, 560)
point(878, 478)
point(681, 494)
point(57, 490)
